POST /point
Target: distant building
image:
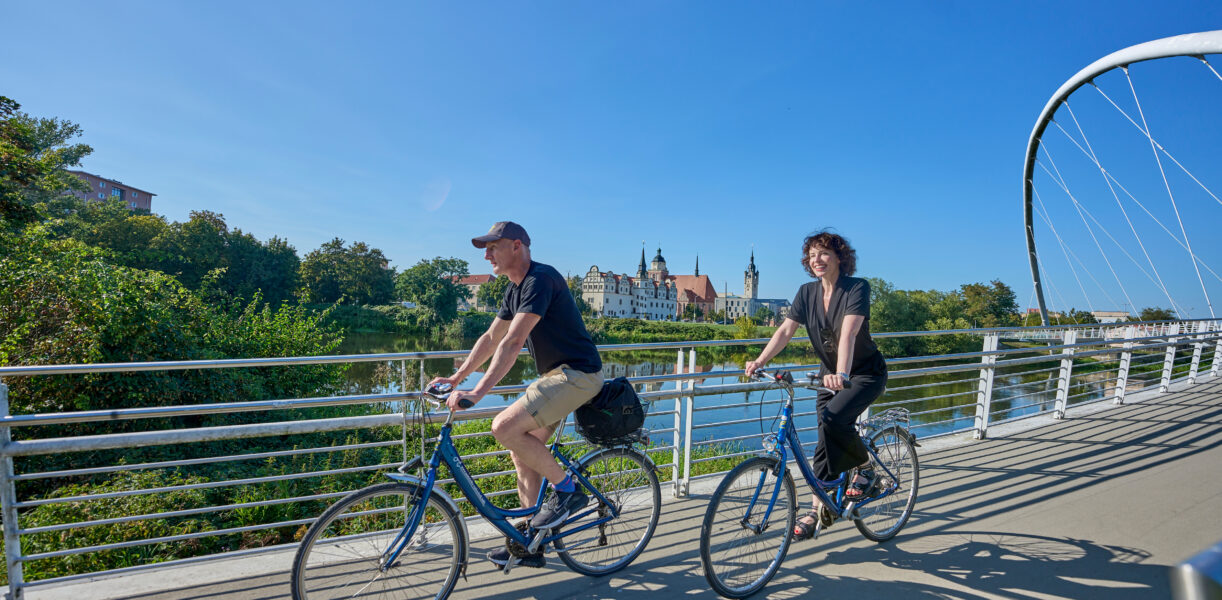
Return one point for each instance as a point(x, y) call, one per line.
point(472, 283)
point(651, 295)
point(1110, 316)
point(750, 302)
point(101, 188)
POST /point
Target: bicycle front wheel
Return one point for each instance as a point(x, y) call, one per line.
point(623, 476)
point(739, 549)
point(881, 519)
point(344, 554)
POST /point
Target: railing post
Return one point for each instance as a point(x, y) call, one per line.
point(1213, 369)
point(8, 503)
point(689, 401)
point(1197, 346)
point(1066, 372)
point(1126, 361)
point(984, 395)
point(1169, 360)
point(678, 435)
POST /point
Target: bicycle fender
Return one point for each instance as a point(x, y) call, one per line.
point(448, 501)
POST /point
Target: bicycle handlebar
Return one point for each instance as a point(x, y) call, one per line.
point(786, 378)
point(438, 394)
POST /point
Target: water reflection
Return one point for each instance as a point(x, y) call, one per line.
point(939, 403)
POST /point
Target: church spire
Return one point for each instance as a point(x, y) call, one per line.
point(697, 265)
point(640, 271)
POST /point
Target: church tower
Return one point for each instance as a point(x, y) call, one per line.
point(697, 265)
point(657, 269)
point(751, 279)
point(640, 271)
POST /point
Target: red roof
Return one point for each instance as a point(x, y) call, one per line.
point(697, 286)
point(474, 279)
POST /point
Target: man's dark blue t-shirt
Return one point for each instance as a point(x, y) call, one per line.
point(560, 336)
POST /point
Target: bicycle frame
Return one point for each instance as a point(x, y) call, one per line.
point(787, 438)
point(498, 517)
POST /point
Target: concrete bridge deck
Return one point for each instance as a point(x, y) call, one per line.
point(1094, 506)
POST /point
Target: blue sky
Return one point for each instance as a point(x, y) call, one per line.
point(702, 127)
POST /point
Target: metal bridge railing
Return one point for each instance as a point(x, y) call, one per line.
point(946, 394)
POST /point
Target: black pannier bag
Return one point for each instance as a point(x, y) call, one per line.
point(614, 417)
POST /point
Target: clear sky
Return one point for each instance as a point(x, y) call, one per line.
point(705, 128)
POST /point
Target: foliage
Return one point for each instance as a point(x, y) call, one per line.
point(33, 155)
point(355, 274)
point(763, 316)
point(583, 307)
point(691, 312)
point(1152, 313)
point(62, 302)
point(491, 294)
point(629, 331)
point(745, 328)
point(433, 285)
point(204, 254)
point(716, 316)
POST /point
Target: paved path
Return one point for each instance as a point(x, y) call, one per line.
point(1094, 506)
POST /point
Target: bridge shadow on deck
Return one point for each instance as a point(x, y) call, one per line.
point(1075, 509)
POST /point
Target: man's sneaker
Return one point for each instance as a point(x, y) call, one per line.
point(500, 557)
point(558, 507)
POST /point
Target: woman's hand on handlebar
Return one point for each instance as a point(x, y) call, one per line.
point(753, 366)
point(452, 381)
point(834, 382)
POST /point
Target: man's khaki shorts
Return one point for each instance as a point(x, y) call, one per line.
point(559, 392)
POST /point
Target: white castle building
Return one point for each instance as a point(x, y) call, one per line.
point(651, 295)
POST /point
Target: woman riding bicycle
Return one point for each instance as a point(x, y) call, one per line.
point(835, 310)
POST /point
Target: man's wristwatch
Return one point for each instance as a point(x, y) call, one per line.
point(845, 376)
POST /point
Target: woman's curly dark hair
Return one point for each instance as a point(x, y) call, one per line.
point(836, 243)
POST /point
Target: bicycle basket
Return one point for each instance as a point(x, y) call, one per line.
point(612, 418)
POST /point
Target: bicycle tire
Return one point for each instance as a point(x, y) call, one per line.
point(625, 477)
point(882, 519)
point(729, 551)
point(340, 554)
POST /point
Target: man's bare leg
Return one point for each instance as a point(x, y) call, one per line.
point(514, 428)
point(529, 480)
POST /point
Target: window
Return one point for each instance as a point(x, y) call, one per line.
point(135, 194)
point(101, 196)
point(133, 205)
point(116, 192)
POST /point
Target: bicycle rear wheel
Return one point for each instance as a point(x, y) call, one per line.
point(342, 554)
point(741, 552)
point(623, 476)
point(881, 519)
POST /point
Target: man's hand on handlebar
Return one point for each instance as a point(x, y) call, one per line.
point(462, 399)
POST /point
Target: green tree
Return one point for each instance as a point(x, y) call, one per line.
point(33, 156)
point(575, 289)
point(355, 274)
point(1152, 313)
point(433, 286)
point(691, 312)
point(746, 328)
point(763, 315)
point(717, 316)
point(492, 293)
point(989, 305)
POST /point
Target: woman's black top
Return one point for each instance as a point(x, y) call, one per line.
point(851, 296)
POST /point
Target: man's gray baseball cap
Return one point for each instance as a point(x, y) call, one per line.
point(504, 230)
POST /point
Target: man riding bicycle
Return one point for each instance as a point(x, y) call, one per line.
point(538, 310)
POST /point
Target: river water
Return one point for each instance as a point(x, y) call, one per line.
point(945, 402)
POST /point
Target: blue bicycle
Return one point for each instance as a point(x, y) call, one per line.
point(747, 527)
point(408, 539)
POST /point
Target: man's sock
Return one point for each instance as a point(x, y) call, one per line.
point(566, 486)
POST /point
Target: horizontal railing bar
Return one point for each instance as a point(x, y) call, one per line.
point(202, 461)
point(162, 540)
point(202, 486)
point(926, 385)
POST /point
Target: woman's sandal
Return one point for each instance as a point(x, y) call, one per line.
point(803, 530)
point(859, 490)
